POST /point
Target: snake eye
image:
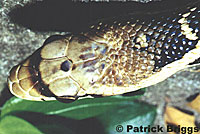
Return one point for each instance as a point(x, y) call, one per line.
point(66, 65)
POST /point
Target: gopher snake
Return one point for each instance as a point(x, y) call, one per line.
point(112, 57)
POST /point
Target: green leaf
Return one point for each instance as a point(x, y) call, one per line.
point(98, 115)
point(131, 113)
point(135, 114)
point(14, 125)
point(48, 124)
point(80, 109)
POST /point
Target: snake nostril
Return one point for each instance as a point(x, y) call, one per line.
point(66, 65)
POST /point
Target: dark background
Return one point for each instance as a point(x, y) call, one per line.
point(67, 15)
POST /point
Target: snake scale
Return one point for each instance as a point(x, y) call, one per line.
point(112, 57)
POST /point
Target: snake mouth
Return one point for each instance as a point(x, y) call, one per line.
point(24, 83)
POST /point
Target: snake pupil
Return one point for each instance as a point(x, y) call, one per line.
point(66, 65)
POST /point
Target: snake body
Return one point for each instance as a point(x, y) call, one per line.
point(111, 57)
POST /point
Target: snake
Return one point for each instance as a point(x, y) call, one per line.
point(111, 57)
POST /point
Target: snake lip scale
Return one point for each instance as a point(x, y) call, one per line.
point(111, 57)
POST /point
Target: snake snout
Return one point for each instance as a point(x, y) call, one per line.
point(23, 81)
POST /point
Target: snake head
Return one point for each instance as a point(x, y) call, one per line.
point(63, 68)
